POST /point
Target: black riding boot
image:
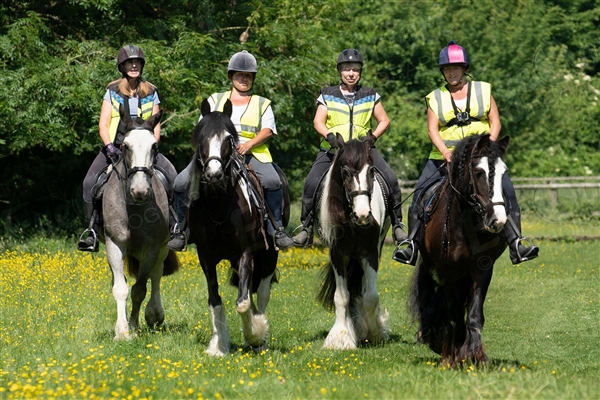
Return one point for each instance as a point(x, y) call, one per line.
point(178, 240)
point(398, 228)
point(305, 236)
point(88, 241)
point(518, 252)
point(409, 254)
point(274, 199)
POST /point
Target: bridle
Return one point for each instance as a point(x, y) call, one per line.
point(351, 194)
point(130, 171)
point(204, 162)
point(475, 199)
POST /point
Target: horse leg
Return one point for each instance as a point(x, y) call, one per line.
point(138, 294)
point(255, 327)
point(263, 294)
point(219, 342)
point(342, 335)
point(154, 313)
point(473, 346)
point(120, 289)
point(376, 321)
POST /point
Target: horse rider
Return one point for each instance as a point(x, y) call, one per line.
point(456, 110)
point(254, 121)
point(140, 99)
point(347, 109)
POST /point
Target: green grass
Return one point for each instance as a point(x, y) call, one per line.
point(58, 315)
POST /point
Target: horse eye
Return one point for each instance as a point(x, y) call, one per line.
point(479, 173)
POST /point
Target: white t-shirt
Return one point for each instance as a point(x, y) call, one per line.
point(267, 120)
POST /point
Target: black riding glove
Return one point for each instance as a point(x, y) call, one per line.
point(332, 140)
point(113, 153)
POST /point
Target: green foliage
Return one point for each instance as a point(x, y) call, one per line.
point(57, 57)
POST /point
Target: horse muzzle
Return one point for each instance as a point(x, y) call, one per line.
point(362, 219)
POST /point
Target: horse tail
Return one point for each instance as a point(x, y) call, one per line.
point(353, 280)
point(427, 305)
point(171, 263)
point(132, 264)
point(328, 285)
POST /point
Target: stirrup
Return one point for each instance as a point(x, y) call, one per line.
point(398, 251)
point(82, 244)
point(519, 259)
point(307, 242)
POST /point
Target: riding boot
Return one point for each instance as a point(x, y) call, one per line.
point(305, 236)
point(178, 240)
point(88, 241)
point(274, 199)
point(518, 252)
point(398, 228)
point(409, 254)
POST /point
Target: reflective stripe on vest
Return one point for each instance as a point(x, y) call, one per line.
point(145, 106)
point(440, 102)
point(351, 123)
point(250, 121)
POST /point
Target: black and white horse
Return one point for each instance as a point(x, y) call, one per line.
point(353, 222)
point(226, 220)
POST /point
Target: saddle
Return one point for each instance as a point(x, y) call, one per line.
point(428, 200)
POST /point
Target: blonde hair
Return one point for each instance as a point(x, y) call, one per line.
point(143, 87)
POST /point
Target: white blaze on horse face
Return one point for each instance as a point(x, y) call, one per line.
point(360, 204)
point(139, 144)
point(214, 150)
point(499, 170)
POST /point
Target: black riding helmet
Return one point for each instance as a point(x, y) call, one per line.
point(128, 52)
point(349, 56)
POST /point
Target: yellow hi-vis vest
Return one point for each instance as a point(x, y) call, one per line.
point(440, 102)
point(117, 99)
point(251, 121)
point(350, 122)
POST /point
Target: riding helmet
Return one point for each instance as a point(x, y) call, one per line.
point(349, 56)
point(242, 62)
point(127, 52)
point(453, 54)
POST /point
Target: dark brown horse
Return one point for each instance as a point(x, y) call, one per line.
point(463, 238)
point(226, 219)
point(353, 221)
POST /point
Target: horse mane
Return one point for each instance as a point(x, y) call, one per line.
point(353, 155)
point(463, 153)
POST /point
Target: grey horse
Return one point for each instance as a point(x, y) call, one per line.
point(136, 226)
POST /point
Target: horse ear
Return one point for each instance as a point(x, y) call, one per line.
point(503, 143)
point(482, 143)
point(205, 107)
point(339, 140)
point(228, 108)
point(155, 119)
point(370, 139)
